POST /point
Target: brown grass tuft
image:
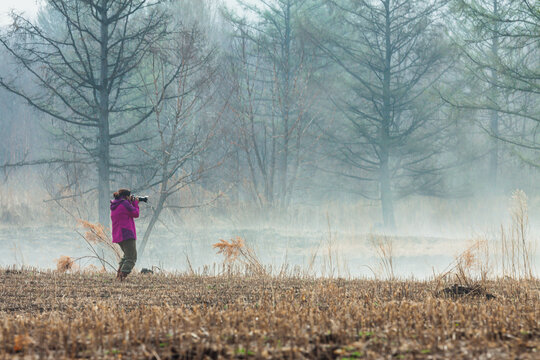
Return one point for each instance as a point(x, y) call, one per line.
point(230, 249)
point(95, 232)
point(20, 342)
point(64, 263)
point(236, 250)
point(97, 235)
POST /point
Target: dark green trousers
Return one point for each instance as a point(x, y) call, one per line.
point(130, 255)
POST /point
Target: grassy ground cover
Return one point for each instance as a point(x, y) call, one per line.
point(77, 315)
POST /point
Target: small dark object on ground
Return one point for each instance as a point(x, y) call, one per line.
point(460, 290)
point(122, 276)
point(9, 271)
point(146, 271)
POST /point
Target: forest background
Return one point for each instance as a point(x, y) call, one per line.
point(401, 116)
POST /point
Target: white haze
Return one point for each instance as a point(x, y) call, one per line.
point(29, 8)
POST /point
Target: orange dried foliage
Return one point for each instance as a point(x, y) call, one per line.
point(64, 263)
point(469, 257)
point(231, 250)
point(20, 342)
point(95, 232)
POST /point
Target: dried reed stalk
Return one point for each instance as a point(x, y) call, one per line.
point(237, 250)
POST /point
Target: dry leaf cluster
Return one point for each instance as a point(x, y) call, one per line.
point(77, 315)
point(238, 251)
point(230, 249)
point(95, 233)
point(64, 263)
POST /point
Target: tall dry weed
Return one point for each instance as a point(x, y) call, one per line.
point(97, 235)
point(95, 232)
point(333, 263)
point(473, 264)
point(508, 255)
point(64, 263)
point(229, 249)
point(99, 243)
point(384, 249)
point(517, 246)
point(236, 250)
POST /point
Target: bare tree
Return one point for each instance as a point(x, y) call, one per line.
point(260, 152)
point(85, 55)
point(501, 51)
point(184, 122)
point(271, 69)
point(390, 53)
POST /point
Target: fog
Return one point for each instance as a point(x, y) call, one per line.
point(333, 137)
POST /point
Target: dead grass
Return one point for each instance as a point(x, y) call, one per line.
point(384, 249)
point(229, 249)
point(77, 315)
point(517, 246)
point(100, 244)
point(64, 263)
point(239, 255)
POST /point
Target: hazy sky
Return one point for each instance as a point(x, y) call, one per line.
point(29, 7)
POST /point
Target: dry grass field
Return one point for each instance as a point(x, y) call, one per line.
point(53, 315)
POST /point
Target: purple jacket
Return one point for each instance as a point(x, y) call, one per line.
point(122, 214)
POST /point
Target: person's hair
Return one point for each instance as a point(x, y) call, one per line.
point(121, 193)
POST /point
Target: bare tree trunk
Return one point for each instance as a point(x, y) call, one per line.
point(163, 194)
point(494, 118)
point(387, 202)
point(286, 104)
point(237, 177)
point(494, 153)
point(296, 165)
point(271, 199)
point(103, 130)
point(104, 176)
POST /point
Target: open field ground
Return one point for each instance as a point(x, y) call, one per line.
point(52, 315)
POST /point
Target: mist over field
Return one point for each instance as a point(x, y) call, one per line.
point(330, 136)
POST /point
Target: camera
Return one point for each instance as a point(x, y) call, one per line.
point(142, 198)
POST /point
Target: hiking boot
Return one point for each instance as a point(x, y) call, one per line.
point(122, 275)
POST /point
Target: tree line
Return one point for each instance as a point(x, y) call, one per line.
point(273, 103)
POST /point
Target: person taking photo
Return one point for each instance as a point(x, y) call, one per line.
point(125, 208)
